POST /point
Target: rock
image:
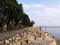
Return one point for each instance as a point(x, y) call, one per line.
point(37, 36)
point(31, 36)
point(18, 38)
point(6, 41)
point(1, 42)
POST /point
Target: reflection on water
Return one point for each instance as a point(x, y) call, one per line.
point(54, 30)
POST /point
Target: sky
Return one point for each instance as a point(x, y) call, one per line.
point(42, 12)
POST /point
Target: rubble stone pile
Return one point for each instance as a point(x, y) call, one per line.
point(30, 36)
point(35, 36)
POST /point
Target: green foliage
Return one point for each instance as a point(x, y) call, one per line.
point(0, 29)
point(14, 12)
point(32, 23)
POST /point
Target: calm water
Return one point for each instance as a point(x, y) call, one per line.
point(54, 30)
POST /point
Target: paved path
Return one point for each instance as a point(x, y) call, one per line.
point(5, 35)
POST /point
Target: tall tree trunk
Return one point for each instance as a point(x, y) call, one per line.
point(4, 26)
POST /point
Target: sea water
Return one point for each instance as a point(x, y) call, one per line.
point(54, 30)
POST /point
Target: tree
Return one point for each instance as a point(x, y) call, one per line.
point(32, 23)
point(25, 20)
point(11, 13)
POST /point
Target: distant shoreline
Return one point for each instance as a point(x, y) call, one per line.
point(57, 41)
point(54, 30)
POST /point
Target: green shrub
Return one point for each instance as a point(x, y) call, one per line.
point(16, 27)
point(0, 29)
point(11, 27)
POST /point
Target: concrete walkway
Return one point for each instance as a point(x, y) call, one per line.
point(5, 35)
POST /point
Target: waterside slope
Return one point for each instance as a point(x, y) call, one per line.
point(29, 36)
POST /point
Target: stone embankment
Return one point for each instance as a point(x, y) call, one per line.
point(29, 36)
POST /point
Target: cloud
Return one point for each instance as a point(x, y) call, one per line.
point(26, 6)
point(52, 11)
point(43, 9)
point(43, 14)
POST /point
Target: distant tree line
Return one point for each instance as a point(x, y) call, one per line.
point(12, 16)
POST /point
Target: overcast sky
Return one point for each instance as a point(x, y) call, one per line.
point(42, 12)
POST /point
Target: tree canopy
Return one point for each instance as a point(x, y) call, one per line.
point(11, 13)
